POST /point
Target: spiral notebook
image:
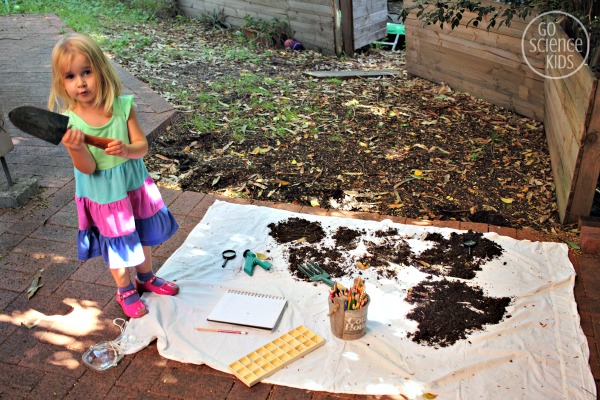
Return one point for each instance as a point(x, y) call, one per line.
point(250, 309)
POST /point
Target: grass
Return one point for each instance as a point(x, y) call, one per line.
point(90, 17)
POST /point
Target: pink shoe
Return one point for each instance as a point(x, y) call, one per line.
point(134, 310)
point(167, 288)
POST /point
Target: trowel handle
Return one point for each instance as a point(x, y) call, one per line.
point(328, 282)
point(264, 264)
point(95, 141)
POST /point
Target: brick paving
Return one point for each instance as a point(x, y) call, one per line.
point(77, 300)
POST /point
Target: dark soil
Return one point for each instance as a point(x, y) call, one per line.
point(452, 257)
point(446, 310)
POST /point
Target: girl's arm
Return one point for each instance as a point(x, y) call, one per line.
point(79, 152)
point(138, 147)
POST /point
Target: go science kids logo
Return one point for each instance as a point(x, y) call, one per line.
point(561, 53)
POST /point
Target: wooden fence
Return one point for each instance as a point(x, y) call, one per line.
point(486, 64)
point(573, 130)
point(327, 26)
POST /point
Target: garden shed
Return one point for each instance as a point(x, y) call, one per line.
point(328, 26)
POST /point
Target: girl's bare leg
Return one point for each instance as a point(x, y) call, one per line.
point(146, 266)
point(121, 276)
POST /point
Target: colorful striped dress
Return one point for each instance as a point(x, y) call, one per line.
point(119, 206)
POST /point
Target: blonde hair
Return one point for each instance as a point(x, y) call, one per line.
point(109, 87)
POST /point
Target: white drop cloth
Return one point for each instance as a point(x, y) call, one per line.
point(540, 352)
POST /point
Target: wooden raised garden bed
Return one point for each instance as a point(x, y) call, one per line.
point(490, 65)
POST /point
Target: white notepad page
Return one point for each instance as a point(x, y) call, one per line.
point(249, 309)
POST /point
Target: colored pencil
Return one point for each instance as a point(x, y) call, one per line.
point(222, 331)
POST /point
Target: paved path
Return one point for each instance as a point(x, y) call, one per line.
point(45, 361)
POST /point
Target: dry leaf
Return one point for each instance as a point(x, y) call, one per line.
point(507, 200)
point(429, 396)
point(361, 266)
point(35, 284)
point(314, 202)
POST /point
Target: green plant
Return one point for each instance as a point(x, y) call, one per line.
point(268, 32)
point(215, 20)
point(162, 9)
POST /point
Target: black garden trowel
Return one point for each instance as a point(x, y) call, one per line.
point(48, 126)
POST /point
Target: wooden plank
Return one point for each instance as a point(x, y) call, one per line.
point(351, 74)
point(311, 22)
point(564, 149)
point(367, 8)
point(589, 168)
point(503, 100)
point(575, 90)
point(376, 18)
point(488, 72)
point(475, 50)
point(574, 101)
point(347, 27)
point(313, 9)
point(369, 38)
point(512, 52)
point(516, 28)
point(367, 29)
point(493, 38)
point(317, 2)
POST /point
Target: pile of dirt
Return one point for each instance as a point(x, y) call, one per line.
point(446, 309)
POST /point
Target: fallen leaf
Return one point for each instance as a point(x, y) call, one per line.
point(573, 245)
point(507, 200)
point(429, 396)
point(35, 284)
point(314, 202)
point(361, 266)
point(216, 180)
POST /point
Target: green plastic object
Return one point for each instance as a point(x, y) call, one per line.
point(395, 29)
point(252, 260)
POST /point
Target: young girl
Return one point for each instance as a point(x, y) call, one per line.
point(121, 212)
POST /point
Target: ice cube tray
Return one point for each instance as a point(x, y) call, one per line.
point(270, 358)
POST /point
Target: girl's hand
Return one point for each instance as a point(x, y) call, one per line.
point(117, 148)
point(73, 140)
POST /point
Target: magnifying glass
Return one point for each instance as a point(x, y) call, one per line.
point(228, 255)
